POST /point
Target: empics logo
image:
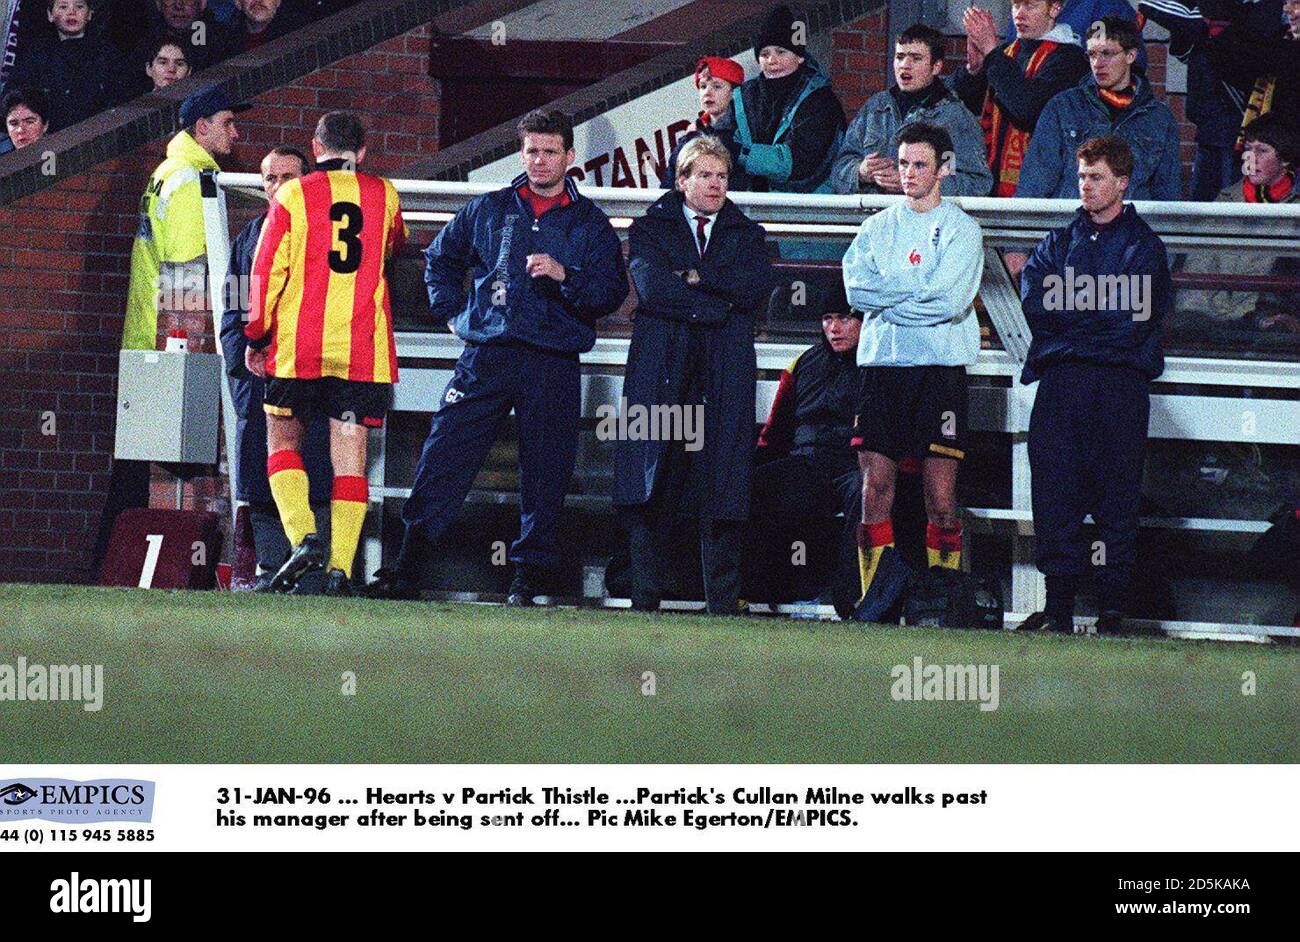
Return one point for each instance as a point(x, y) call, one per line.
point(17, 793)
point(64, 800)
point(79, 894)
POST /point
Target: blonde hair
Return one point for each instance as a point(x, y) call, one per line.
point(706, 145)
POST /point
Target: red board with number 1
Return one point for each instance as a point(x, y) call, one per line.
point(163, 549)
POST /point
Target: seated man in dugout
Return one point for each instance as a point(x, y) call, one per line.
point(806, 472)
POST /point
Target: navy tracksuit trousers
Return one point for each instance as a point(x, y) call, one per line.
point(1087, 435)
point(544, 389)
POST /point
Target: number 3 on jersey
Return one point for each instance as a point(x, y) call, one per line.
point(345, 257)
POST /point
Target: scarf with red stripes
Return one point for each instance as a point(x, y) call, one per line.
point(1003, 141)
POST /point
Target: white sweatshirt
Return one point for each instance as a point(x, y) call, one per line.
point(914, 277)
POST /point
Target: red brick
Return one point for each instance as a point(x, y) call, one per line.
point(847, 39)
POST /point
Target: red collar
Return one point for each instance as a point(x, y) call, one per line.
point(1276, 193)
point(542, 204)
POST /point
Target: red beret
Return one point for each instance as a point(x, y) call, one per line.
point(721, 68)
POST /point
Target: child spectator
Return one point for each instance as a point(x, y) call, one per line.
point(1115, 101)
point(866, 164)
point(77, 71)
point(717, 80)
point(191, 26)
point(1007, 85)
point(27, 117)
point(167, 65)
point(1215, 100)
point(1270, 163)
point(788, 121)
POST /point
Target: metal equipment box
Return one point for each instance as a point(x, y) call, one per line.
point(168, 406)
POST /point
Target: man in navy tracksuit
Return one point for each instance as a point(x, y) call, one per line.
point(1094, 294)
point(546, 266)
point(246, 390)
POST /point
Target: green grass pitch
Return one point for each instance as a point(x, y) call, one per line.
point(220, 677)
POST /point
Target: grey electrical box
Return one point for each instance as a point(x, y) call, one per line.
point(168, 406)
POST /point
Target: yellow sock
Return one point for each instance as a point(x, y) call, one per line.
point(872, 540)
point(347, 514)
point(289, 488)
point(943, 547)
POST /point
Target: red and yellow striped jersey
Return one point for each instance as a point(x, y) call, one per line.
point(318, 289)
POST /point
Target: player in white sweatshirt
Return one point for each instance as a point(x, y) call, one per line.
point(913, 271)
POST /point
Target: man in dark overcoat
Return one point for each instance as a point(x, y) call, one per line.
point(701, 272)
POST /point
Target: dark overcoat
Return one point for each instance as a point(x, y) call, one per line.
point(710, 325)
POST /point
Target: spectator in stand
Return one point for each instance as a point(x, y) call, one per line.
point(716, 79)
point(1117, 101)
point(1270, 163)
point(1267, 55)
point(27, 118)
point(806, 472)
point(701, 271)
point(247, 392)
point(1079, 15)
point(77, 70)
point(261, 21)
point(789, 123)
point(191, 26)
point(1215, 99)
point(866, 161)
point(1096, 359)
point(1007, 85)
point(167, 65)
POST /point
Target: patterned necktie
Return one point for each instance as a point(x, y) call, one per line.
point(700, 222)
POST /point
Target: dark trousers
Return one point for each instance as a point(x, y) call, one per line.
point(1087, 435)
point(128, 489)
point(544, 389)
point(649, 529)
point(795, 499)
point(679, 489)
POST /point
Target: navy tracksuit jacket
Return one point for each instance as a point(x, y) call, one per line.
point(1095, 359)
point(522, 339)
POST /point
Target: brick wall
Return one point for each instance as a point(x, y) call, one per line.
point(64, 256)
point(860, 60)
point(860, 67)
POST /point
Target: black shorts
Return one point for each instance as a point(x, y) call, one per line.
point(343, 399)
point(912, 410)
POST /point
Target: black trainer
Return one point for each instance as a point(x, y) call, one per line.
point(1041, 621)
point(390, 584)
point(337, 584)
point(524, 588)
point(307, 556)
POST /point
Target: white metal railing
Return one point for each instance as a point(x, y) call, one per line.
point(1197, 416)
